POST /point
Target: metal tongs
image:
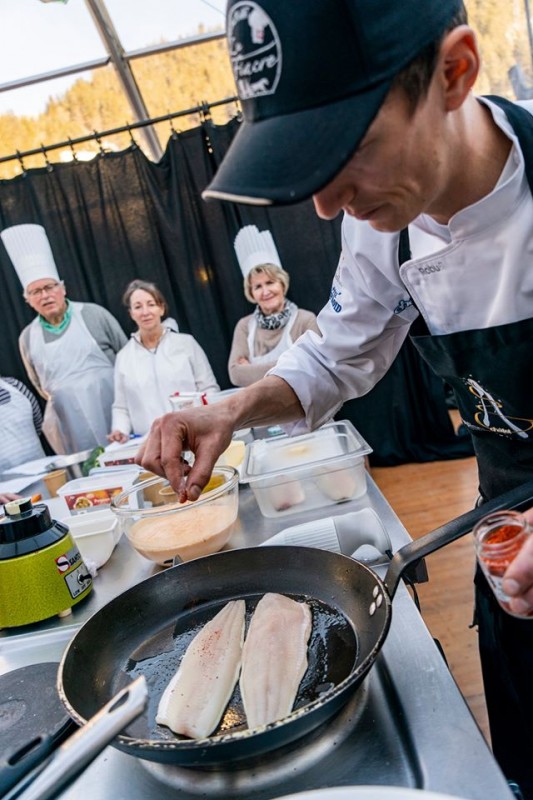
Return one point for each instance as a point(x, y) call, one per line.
point(61, 767)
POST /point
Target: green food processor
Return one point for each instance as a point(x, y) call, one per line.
point(41, 570)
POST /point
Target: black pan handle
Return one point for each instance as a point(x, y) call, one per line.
point(520, 498)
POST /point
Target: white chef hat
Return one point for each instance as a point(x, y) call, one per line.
point(254, 248)
point(29, 250)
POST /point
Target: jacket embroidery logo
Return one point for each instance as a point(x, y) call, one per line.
point(255, 50)
point(402, 305)
point(333, 299)
point(429, 268)
point(489, 415)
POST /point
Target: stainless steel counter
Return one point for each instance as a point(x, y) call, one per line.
point(408, 724)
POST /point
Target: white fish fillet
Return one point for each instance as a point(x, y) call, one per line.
point(274, 658)
point(195, 699)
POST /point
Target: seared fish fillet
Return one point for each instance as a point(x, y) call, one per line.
point(195, 699)
point(274, 658)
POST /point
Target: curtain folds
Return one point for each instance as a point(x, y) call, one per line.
point(121, 216)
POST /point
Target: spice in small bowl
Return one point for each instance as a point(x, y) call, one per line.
point(187, 530)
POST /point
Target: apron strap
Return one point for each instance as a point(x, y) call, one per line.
point(404, 247)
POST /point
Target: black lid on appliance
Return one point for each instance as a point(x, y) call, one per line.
point(26, 528)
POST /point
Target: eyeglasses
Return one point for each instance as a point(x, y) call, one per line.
point(49, 288)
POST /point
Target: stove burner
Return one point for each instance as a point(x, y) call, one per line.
point(273, 768)
point(30, 706)
point(33, 720)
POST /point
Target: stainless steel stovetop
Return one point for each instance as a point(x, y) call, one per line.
point(407, 725)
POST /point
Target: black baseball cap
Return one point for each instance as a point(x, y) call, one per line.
point(311, 76)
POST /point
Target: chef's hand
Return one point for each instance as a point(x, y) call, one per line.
point(518, 579)
point(117, 436)
point(206, 431)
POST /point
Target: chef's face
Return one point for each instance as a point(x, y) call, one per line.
point(398, 172)
point(145, 311)
point(47, 297)
point(421, 160)
point(267, 292)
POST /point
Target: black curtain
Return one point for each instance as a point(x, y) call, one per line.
point(120, 217)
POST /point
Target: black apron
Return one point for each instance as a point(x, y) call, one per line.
point(489, 371)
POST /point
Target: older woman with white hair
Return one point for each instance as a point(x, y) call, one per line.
point(261, 337)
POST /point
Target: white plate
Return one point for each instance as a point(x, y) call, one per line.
point(369, 793)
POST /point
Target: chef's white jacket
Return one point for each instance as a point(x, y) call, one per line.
point(473, 273)
point(145, 379)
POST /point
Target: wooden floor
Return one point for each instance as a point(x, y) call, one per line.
point(425, 496)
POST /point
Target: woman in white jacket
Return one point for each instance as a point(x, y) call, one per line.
point(156, 362)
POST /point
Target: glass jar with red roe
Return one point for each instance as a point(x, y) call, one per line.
point(498, 538)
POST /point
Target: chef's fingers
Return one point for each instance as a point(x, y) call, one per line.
point(529, 516)
point(172, 438)
point(200, 473)
point(149, 454)
point(518, 580)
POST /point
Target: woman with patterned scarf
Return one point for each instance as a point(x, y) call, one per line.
point(276, 323)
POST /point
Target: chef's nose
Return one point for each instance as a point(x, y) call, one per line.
point(327, 203)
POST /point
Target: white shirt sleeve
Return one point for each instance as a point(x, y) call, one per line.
point(360, 338)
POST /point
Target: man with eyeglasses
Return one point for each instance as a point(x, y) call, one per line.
point(68, 350)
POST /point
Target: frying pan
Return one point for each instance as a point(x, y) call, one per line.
point(146, 630)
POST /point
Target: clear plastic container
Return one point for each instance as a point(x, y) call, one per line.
point(160, 528)
point(181, 400)
point(94, 493)
point(299, 473)
point(119, 456)
point(498, 538)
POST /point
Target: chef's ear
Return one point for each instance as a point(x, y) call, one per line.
point(459, 63)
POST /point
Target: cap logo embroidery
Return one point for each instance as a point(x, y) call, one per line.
point(255, 50)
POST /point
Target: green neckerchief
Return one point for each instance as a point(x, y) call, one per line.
point(57, 329)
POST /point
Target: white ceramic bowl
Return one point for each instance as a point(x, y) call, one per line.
point(160, 528)
point(96, 535)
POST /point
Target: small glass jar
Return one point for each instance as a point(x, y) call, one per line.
point(498, 538)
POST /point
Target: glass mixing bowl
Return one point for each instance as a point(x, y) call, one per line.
point(160, 528)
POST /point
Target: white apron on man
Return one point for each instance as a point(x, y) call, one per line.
point(19, 439)
point(77, 378)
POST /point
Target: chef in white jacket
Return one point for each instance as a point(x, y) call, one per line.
point(156, 363)
point(69, 348)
